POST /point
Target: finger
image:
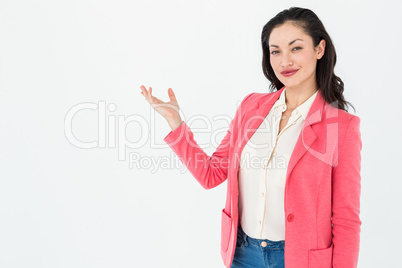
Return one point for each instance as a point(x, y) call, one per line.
point(171, 94)
point(150, 94)
point(143, 91)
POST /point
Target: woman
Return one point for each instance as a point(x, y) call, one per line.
point(308, 189)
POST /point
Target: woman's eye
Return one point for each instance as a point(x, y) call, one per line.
point(276, 51)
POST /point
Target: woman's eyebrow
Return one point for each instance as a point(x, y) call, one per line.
point(289, 42)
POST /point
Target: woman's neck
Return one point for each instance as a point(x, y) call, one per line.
point(296, 96)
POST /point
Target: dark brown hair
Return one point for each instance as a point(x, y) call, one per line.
point(331, 86)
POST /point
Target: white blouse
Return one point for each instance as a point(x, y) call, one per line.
point(262, 186)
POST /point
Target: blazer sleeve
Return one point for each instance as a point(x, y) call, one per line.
point(209, 171)
point(346, 188)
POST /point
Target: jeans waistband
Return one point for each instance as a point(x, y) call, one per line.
point(274, 244)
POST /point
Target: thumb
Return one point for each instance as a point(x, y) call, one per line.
point(171, 95)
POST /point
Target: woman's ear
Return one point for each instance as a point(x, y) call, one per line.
point(321, 49)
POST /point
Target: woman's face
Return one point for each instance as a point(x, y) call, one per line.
point(292, 49)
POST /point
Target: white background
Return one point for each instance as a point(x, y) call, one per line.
point(66, 206)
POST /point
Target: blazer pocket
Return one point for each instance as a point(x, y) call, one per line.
point(320, 258)
point(226, 226)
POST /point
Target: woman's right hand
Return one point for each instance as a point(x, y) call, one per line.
point(169, 110)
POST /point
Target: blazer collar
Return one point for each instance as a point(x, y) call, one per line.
point(255, 115)
point(266, 102)
point(302, 108)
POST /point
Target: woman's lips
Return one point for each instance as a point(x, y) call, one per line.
point(287, 74)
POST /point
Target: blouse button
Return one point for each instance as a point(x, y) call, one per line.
point(290, 217)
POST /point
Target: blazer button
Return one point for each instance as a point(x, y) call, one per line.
point(290, 217)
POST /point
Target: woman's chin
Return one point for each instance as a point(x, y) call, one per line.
point(290, 84)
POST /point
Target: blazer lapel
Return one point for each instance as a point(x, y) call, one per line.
point(308, 134)
point(254, 116)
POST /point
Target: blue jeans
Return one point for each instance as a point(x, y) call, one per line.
point(255, 253)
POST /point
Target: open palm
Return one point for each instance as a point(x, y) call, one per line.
point(169, 109)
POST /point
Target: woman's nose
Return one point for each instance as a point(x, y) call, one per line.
point(286, 60)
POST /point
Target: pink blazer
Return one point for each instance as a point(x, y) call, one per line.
point(322, 192)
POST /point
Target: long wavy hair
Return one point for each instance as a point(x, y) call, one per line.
point(331, 86)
